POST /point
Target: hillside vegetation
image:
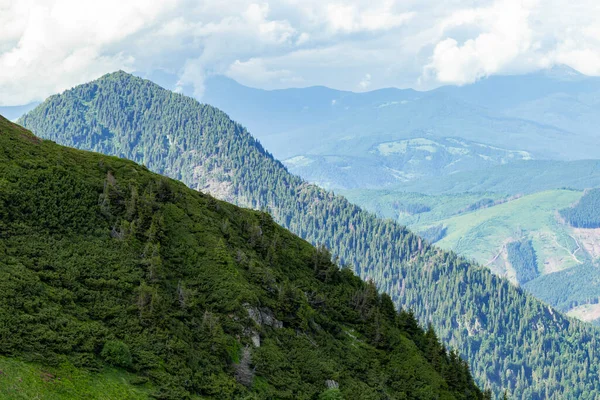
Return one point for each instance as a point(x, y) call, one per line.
point(586, 213)
point(483, 233)
point(510, 339)
point(517, 178)
point(519, 237)
point(20, 380)
point(106, 264)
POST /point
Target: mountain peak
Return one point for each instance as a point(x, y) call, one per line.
point(563, 72)
point(119, 75)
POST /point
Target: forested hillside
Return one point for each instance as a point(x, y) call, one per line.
point(586, 213)
point(521, 238)
point(510, 339)
point(105, 263)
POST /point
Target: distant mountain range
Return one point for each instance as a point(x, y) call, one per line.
point(463, 148)
point(393, 136)
point(511, 340)
point(13, 113)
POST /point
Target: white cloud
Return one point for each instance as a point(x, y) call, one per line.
point(255, 71)
point(348, 18)
point(62, 42)
point(365, 82)
point(47, 46)
point(505, 34)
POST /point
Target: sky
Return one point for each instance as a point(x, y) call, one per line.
point(47, 46)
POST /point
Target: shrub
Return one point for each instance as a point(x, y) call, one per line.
point(116, 353)
point(331, 394)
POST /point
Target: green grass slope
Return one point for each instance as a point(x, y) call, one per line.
point(483, 234)
point(21, 380)
point(103, 263)
point(511, 340)
point(403, 206)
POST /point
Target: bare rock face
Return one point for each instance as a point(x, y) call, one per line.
point(263, 316)
point(331, 384)
point(244, 374)
point(255, 339)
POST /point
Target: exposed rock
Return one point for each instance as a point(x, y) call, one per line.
point(255, 339)
point(331, 384)
point(243, 373)
point(263, 316)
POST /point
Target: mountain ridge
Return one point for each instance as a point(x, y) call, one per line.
point(542, 112)
point(105, 263)
point(497, 323)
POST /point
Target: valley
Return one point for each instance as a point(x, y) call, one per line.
point(125, 116)
point(481, 226)
point(299, 200)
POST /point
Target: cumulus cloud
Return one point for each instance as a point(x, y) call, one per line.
point(509, 36)
point(47, 46)
point(255, 70)
point(50, 45)
point(505, 35)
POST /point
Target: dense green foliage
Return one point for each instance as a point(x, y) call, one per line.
point(511, 340)
point(104, 262)
point(482, 235)
point(570, 288)
point(521, 255)
point(411, 208)
point(482, 203)
point(586, 213)
point(434, 233)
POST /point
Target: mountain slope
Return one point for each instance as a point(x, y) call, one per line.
point(494, 236)
point(523, 177)
point(104, 262)
point(483, 233)
point(29, 380)
point(510, 339)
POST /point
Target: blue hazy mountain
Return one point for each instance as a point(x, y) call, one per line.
point(13, 113)
point(393, 136)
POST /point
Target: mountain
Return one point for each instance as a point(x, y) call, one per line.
point(15, 112)
point(522, 238)
point(339, 136)
point(104, 262)
point(513, 91)
point(484, 139)
point(482, 214)
point(510, 339)
point(487, 235)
